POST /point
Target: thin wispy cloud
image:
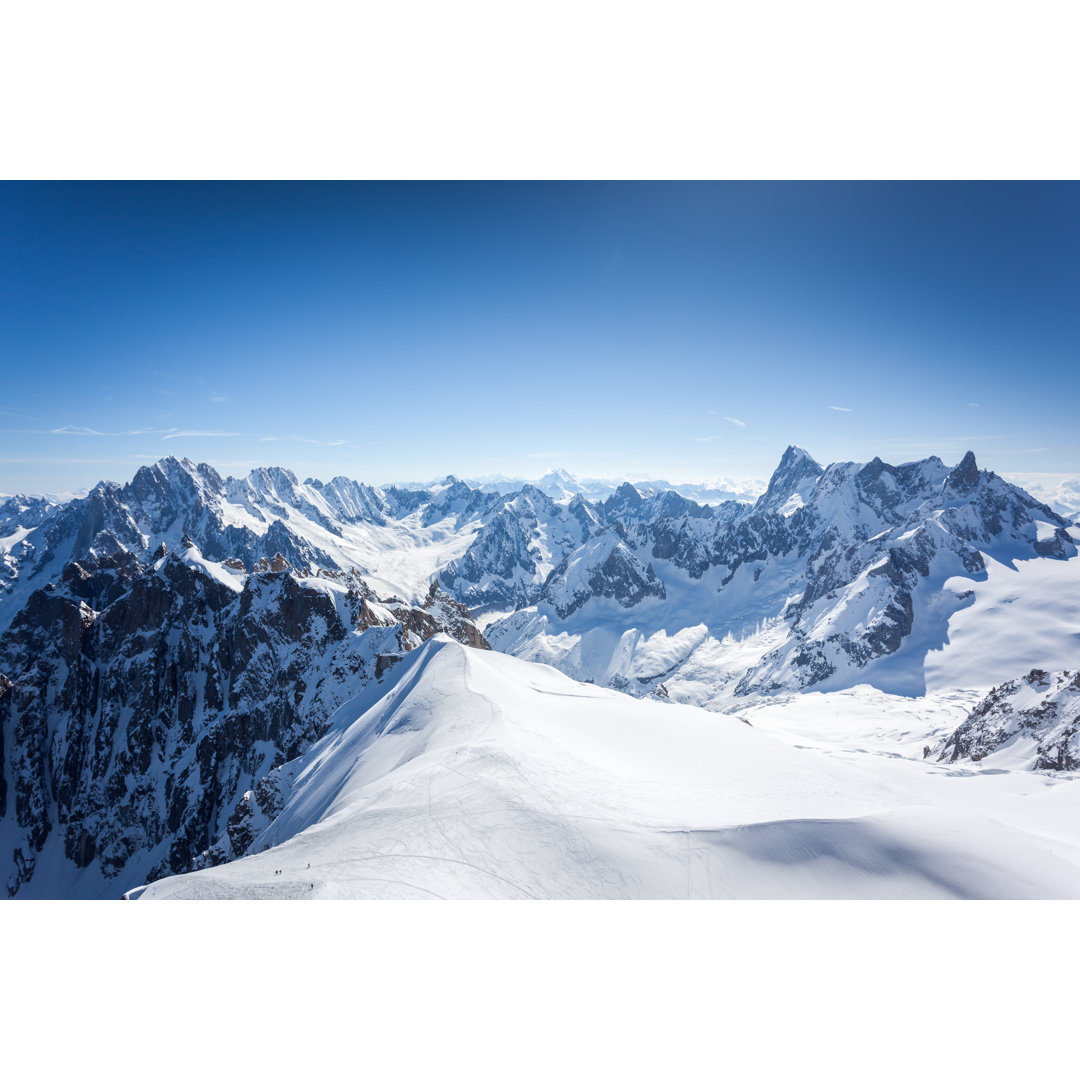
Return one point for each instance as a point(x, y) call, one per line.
point(973, 404)
point(840, 408)
point(200, 435)
point(1039, 450)
point(70, 429)
point(732, 420)
point(706, 438)
point(302, 439)
point(317, 442)
point(546, 454)
point(73, 429)
point(82, 460)
point(218, 397)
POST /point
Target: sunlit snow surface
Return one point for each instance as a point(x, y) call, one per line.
point(473, 774)
point(700, 642)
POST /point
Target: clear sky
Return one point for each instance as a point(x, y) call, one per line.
point(402, 331)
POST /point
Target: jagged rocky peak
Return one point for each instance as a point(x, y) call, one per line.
point(500, 549)
point(170, 479)
point(582, 512)
point(626, 499)
point(794, 477)
point(273, 476)
point(965, 477)
point(604, 566)
point(533, 491)
point(25, 511)
point(891, 491)
point(352, 501)
point(273, 484)
point(451, 487)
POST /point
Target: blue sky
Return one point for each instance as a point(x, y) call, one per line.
point(387, 331)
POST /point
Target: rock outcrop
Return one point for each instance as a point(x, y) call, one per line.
point(139, 702)
point(1036, 717)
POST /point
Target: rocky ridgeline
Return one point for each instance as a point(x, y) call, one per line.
point(1037, 715)
point(140, 702)
point(267, 513)
point(604, 566)
point(844, 563)
point(875, 543)
point(840, 554)
point(169, 642)
point(258, 807)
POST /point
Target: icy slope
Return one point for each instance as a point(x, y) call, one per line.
point(469, 774)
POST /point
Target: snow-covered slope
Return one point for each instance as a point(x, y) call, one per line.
point(170, 642)
point(139, 702)
point(469, 774)
point(1033, 721)
point(835, 576)
point(397, 539)
point(856, 573)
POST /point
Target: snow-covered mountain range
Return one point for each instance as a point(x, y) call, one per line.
point(173, 650)
point(837, 576)
point(560, 484)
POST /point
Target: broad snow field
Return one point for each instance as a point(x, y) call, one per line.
point(469, 774)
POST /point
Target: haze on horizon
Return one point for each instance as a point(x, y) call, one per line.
point(685, 331)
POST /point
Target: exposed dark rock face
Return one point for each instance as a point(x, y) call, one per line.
point(149, 681)
point(965, 477)
point(1040, 713)
point(797, 470)
point(849, 555)
point(139, 702)
point(447, 616)
point(508, 563)
point(604, 567)
point(503, 552)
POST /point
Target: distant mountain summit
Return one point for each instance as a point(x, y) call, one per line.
point(168, 644)
point(791, 483)
point(835, 575)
